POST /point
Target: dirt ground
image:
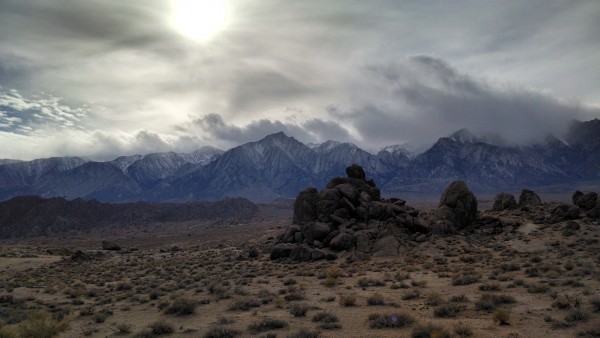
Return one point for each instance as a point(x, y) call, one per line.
point(215, 279)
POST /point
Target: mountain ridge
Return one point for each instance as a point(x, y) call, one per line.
point(279, 166)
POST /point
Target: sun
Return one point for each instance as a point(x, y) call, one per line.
point(199, 20)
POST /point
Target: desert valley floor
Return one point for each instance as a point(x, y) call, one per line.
point(215, 279)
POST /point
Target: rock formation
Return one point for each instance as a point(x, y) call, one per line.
point(504, 201)
point(589, 202)
point(529, 199)
point(349, 214)
point(458, 205)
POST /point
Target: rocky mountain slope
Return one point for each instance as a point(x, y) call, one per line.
point(279, 166)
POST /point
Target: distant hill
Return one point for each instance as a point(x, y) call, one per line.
point(278, 166)
point(27, 216)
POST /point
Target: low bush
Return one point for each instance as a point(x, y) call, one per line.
point(394, 320)
point(267, 324)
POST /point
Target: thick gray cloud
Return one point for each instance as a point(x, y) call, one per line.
point(343, 66)
point(425, 96)
point(314, 130)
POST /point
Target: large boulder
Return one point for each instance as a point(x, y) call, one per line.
point(356, 171)
point(504, 201)
point(301, 254)
point(595, 212)
point(329, 201)
point(529, 199)
point(315, 231)
point(282, 250)
point(343, 241)
point(386, 247)
point(349, 191)
point(458, 204)
point(585, 201)
point(305, 206)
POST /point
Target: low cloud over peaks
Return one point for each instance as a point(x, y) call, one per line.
point(424, 98)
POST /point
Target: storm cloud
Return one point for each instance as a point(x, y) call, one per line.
point(106, 78)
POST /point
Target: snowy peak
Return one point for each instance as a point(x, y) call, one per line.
point(202, 156)
point(123, 162)
point(464, 136)
point(326, 146)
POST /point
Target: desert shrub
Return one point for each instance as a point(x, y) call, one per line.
point(222, 332)
point(299, 310)
point(489, 302)
point(267, 324)
point(144, 334)
point(576, 315)
point(161, 328)
point(293, 296)
point(253, 253)
point(39, 325)
point(182, 307)
point(123, 328)
point(434, 299)
point(330, 282)
point(413, 294)
point(394, 320)
point(366, 282)
point(348, 300)
point(304, 333)
point(510, 267)
point(591, 330)
point(537, 288)
point(324, 316)
point(419, 284)
point(489, 287)
point(289, 281)
point(501, 316)
point(459, 299)
point(327, 320)
point(447, 310)
point(243, 305)
point(333, 273)
point(376, 299)
point(430, 331)
point(463, 330)
point(6, 332)
point(401, 276)
point(595, 302)
point(466, 278)
point(566, 302)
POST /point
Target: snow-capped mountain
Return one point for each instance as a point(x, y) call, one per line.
point(279, 166)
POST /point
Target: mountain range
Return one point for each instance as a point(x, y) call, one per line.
point(279, 166)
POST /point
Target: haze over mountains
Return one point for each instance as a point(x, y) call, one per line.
point(279, 166)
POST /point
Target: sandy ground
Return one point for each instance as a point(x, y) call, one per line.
point(551, 280)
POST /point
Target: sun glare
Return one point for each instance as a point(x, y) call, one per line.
point(199, 20)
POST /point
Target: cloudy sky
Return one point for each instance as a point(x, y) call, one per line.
point(102, 78)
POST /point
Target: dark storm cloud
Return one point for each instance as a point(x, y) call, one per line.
point(426, 96)
point(314, 130)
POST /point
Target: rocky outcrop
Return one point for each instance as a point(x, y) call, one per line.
point(529, 199)
point(347, 215)
point(458, 205)
point(563, 212)
point(504, 201)
point(586, 201)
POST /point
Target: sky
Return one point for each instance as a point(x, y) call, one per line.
point(104, 78)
